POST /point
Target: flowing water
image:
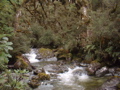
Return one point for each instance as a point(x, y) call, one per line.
point(73, 79)
point(32, 56)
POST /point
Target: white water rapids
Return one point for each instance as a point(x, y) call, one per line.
point(73, 75)
point(32, 56)
point(74, 79)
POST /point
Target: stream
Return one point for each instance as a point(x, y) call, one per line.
point(75, 78)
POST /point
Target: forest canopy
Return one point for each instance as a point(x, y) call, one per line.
point(88, 29)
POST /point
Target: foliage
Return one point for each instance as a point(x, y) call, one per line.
point(14, 80)
point(40, 36)
point(5, 46)
point(6, 17)
point(57, 24)
point(21, 44)
point(103, 43)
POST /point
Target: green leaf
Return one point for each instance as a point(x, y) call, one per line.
point(5, 38)
point(9, 43)
point(8, 55)
point(9, 48)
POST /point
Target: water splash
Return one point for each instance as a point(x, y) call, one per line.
point(32, 56)
point(78, 74)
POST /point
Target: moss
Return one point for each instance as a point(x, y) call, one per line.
point(118, 86)
point(63, 54)
point(86, 61)
point(95, 61)
point(34, 83)
point(23, 63)
point(45, 52)
point(43, 76)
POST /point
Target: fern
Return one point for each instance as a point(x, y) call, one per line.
point(5, 46)
point(13, 80)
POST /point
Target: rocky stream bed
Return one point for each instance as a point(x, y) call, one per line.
point(52, 74)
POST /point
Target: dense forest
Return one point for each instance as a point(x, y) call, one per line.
point(80, 30)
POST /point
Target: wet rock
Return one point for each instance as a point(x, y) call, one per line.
point(101, 72)
point(83, 65)
point(23, 63)
point(111, 71)
point(43, 76)
point(44, 53)
point(93, 67)
point(35, 72)
point(55, 68)
point(33, 83)
point(78, 72)
point(111, 84)
point(118, 86)
point(63, 54)
point(35, 77)
point(53, 75)
point(117, 71)
point(114, 71)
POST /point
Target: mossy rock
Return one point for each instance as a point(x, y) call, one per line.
point(77, 59)
point(34, 83)
point(38, 71)
point(86, 61)
point(43, 76)
point(63, 54)
point(94, 61)
point(112, 83)
point(22, 63)
point(93, 67)
point(118, 86)
point(45, 53)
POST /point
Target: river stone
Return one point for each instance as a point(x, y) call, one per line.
point(23, 63)
point(41, 70)
point(78, 72)
point(43, 76)
point(101, 72)
point(53, 68)
point(93, 67)
point(111, 84)
point(34, 82)
point(44, 53)
point(115, 71)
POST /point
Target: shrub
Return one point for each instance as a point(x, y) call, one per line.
point(5, 46)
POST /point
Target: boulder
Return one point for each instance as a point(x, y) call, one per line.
point(34, 82)
point(115, 71)
point(44, 53)
point(53, 68)
point(111, 84)
point(43, 76)
point(101, 72)
point(63, 54)
point(93, 67)
point(23, 63)
point(79, 72)
point(41, 70)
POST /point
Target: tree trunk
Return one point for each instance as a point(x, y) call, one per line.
point(16, 22)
